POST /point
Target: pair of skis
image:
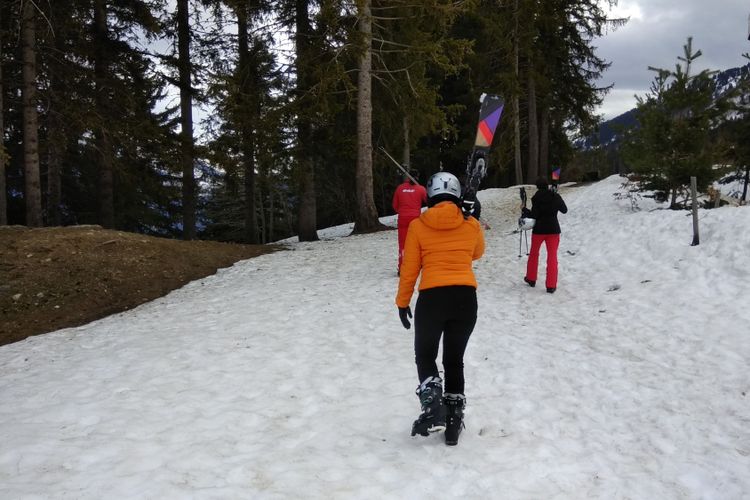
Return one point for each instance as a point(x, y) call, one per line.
point(490, 110)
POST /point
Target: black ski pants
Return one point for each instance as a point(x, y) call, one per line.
point(450, 312)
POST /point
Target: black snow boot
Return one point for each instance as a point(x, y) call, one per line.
point(432, 419)
point(454, 420)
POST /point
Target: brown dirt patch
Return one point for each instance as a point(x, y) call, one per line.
point(52, 278)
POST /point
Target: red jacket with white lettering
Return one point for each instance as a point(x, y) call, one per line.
point(409, 199)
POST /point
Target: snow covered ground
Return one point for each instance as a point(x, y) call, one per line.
point(290, 376)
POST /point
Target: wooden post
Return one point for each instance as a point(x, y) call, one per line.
point(694, 192)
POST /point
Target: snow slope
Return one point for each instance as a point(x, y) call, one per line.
point(290, 376)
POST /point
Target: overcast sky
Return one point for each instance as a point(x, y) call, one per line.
point(655, 35)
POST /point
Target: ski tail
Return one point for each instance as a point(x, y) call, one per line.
point(490, 111)
point(555, 178)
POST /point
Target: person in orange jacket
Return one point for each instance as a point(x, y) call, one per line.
point(408, 200)
point(441, 246)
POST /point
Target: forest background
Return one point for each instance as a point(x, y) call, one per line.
point(98, 100)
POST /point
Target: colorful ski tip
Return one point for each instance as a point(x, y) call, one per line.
point(486, 128)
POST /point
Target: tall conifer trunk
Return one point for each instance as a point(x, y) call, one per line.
point(406, 153)
point(366, 218)
point(102, 138)
point(186, 120)
point(56, 139)
point(247, 114)
point(3, 187)
point(516, 107)
point(307, 219)
point(32, 192)
point(270, 214)
point(54, 153)
point(544, 141)
point(532, 171)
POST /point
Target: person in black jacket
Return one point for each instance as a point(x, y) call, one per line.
point(544, 207)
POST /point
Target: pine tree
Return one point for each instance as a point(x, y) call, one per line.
point(245, 141)
point(366, 219)
point(518, 166)
point(565, 68)
point(32, 191)
point(187, 146)
point(673, 142)
point(303, 41)
point(103, 95)
point(108, 155)
point(735, 131)
point(409, 54)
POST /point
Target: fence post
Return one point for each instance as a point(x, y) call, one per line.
point(694, 191)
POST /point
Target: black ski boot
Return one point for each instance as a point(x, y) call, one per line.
point(454, 420)
point(432, 419)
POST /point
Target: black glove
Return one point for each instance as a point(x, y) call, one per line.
point(403, 312)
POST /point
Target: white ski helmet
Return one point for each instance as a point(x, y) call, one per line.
point(526, 223)
point(443, 183)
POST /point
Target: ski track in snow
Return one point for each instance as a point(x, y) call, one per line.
point(290, 376)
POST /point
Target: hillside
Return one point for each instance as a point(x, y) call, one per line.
point(290, 376)
point(52, 278)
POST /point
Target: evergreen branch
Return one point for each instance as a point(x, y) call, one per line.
point(382, 41)
point(38, 9)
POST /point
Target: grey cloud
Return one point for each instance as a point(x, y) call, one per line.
point(719, 29)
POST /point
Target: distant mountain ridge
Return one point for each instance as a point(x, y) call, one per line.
point(609, 131)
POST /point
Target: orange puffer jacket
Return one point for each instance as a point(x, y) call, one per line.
point(441, 244)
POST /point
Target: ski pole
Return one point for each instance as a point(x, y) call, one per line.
point(407, 174)
point(521, 232)
point(520, 238)
point(526, 235)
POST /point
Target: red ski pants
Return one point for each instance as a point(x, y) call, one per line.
point(403, 227)
point(552, 241)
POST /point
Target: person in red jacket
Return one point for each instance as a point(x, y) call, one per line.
point(408, 201)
